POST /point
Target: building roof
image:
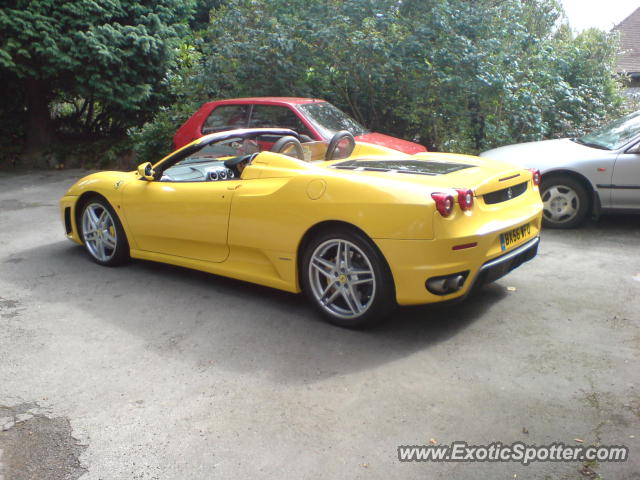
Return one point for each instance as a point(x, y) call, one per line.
point(629, 30)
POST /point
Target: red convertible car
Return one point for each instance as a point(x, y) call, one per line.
point(312, 119)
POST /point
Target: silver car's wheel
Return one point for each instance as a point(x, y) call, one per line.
point(342, 279)
point(561, 203)
point(99, 232)
point(565, 202)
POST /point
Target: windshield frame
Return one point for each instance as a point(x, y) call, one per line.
point(218, 137)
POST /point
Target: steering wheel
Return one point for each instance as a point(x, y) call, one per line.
point(286, 143)
point(332, 149)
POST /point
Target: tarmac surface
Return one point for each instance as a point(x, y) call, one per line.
point(149, 371)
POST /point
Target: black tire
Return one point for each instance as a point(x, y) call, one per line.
point(355, 306)
point(566, 201)
point(332, 149)
point(106, 234)
point(287, 142)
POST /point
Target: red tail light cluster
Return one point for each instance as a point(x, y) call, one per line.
point(444, 203)
point(536, 176)
point(465, 199)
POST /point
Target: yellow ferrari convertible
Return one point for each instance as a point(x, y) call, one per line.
point(358, 228)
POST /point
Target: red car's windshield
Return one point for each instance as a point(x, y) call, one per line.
point(329, 119)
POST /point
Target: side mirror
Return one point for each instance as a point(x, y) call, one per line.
point(145, 170)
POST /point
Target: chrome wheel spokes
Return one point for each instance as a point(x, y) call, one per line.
point(561, 203)
point(99, 232)
point(342, 278)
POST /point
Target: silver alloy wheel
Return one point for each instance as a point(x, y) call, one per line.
point(561, 203)
point(342, 278)
point(99, 232)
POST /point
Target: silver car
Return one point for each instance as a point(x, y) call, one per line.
point(596, 173)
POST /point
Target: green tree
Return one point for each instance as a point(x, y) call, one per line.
point(457, 75)
point(12, 117)
point(201, 16)
point(187, 88)
point(112, 54)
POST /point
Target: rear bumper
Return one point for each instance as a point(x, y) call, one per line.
point(414, 262)
point(499, 267)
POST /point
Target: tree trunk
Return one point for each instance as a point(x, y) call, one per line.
point(39, 127)
point(477, 123)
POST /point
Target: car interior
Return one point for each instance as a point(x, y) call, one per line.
point(226, 159)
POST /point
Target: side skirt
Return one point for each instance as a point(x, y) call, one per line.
point(255, 269)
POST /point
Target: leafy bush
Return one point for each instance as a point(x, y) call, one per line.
point(187, 90)
point(456, 75)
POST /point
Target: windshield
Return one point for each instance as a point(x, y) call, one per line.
point(614, 135)
point(330, 120)
point(230, 147)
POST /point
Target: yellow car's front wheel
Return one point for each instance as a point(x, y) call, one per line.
point(102, 233)
point(347, 278)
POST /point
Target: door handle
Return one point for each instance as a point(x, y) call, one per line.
point(234, 187)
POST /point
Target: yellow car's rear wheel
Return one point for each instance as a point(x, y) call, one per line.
point(347, 279)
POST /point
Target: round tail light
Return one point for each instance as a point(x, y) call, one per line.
point(444, 203)
point(465, 199)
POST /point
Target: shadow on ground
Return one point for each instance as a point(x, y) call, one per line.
point(213, 320)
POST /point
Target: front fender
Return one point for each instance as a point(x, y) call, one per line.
point(106, 184)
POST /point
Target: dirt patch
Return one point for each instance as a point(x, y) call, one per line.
point(9, 308)
point(34, 446)
point(14, 260)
